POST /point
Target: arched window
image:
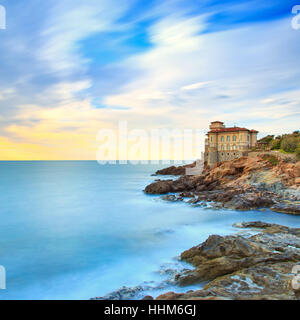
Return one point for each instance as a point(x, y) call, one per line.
point(228, 138)
point(234, 138)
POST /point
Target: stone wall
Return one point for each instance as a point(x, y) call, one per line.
point(230, 155)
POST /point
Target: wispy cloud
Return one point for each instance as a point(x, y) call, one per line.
point(189, 63)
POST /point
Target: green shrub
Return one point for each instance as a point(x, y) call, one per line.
point(267, 139)
point(271, 159)
point(275, 144)
point(298, 151)
point(289, 144)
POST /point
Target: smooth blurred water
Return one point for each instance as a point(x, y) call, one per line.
point(77, 229)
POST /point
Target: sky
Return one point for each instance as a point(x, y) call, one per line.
point(70, 68)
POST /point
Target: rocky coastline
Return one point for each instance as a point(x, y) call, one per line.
point(263, 266)
point(241, 184)
point(247, 266)
point(261, 261)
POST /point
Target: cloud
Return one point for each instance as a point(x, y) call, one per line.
point(68, 23)
point(6, 93)
point(195, 86)
point(55, 95)
point(245, 65)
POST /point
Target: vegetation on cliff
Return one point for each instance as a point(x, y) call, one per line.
point(289, 143)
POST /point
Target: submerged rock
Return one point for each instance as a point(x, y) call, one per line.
point(124, 293)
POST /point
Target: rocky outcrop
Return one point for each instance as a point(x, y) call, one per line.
point(175, 171)
point(243, 267)
point(241, 184)
point(290, 208)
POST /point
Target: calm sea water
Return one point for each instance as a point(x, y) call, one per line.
point(77, 229)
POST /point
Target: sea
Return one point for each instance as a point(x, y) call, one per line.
point(79, 229)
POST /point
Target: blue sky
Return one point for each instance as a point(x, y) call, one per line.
point(69, 68)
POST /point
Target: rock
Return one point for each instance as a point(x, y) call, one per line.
point(124, 293)
point(175, 171)
point(159, 187)
point(268, 227)
point(287, 208)
point(255, 267)
point(241, 184)
point(218, 256)
point(170, 197)
point(148, 298)
point(250, 200)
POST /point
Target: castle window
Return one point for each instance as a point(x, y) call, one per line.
point(222, 138)
point(234, 138)
point(211, 139)
point(228, 146)
point(228, 138)
point(222, 147)
point(234, 147)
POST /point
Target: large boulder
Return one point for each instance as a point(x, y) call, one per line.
point(159, 187)
point(219, 256)
point(255, 266)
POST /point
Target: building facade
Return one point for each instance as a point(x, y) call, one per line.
point(224, 144)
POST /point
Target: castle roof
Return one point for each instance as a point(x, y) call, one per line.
point(232, 129)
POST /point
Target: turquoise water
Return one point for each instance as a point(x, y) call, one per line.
point(77, 229)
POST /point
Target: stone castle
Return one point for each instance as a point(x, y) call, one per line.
point(224, 143)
